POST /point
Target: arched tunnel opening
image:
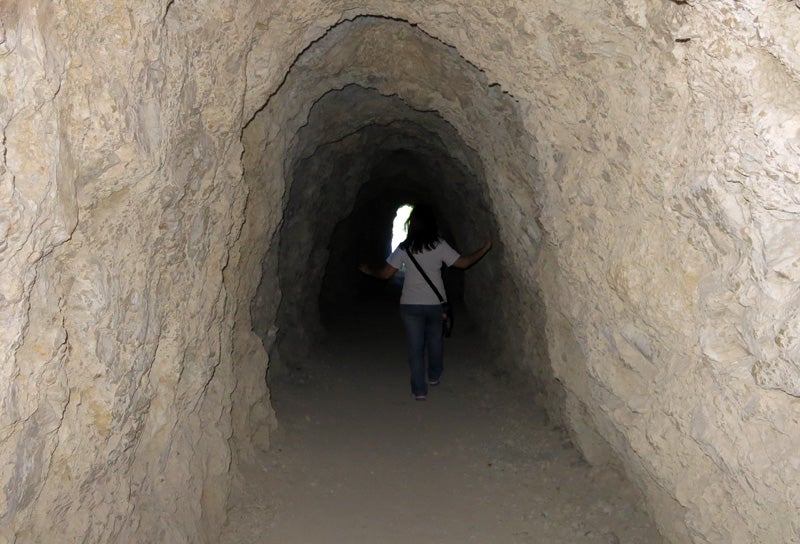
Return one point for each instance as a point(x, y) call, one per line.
point(367, 139)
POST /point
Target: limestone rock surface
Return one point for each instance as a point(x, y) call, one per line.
point(637, 161)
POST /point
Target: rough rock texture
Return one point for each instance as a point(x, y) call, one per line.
point(637, 160)
point(123, 201)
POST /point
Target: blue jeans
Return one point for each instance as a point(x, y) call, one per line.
point(424, 329)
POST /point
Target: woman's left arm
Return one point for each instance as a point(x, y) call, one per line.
point(384, 273)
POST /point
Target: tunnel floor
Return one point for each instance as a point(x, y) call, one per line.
point(357, 460)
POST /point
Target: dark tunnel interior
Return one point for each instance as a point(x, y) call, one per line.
point(363, 136)
point(345, 192)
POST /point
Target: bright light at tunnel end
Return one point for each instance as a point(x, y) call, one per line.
point(399, 231)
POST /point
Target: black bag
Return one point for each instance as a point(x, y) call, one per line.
point(447, 319)
point(447, 309)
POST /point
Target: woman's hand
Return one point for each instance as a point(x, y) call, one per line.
point(465, 261)
point(384, 273)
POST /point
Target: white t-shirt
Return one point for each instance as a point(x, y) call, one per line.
point(415, 289)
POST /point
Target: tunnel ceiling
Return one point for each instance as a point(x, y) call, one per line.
point(373, 72)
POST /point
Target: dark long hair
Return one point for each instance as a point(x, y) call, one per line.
point(423, 231)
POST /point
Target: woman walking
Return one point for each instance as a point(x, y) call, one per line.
point(420, 307)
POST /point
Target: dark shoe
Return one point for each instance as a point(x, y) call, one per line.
point(433, 382)
point(420, 397)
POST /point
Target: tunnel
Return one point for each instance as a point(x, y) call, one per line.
point(189, 188)
point(362, 151)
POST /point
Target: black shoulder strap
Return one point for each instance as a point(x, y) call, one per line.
point(424, 275)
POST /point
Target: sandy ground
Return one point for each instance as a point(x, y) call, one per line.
point(357, 460)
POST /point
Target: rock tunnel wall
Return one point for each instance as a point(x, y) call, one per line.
point(638, 159)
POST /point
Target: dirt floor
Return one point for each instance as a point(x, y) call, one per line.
point(357, 460)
